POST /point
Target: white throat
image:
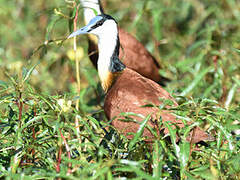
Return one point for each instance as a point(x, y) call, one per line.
point(88, 6)
point(107, 41)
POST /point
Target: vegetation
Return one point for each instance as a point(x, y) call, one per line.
point(52, 124)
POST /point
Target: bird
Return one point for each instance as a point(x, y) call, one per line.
point(126, 90)
point(132, 53)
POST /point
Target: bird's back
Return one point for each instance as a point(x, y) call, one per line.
point(135, 56)
point(129, 93)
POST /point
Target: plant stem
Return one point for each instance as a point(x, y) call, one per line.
point(16, 159)
point(20, 107)
point(68, 151)
point(59, 159)
point(77, 74)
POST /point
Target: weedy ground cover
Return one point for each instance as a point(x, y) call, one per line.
point(51, 120)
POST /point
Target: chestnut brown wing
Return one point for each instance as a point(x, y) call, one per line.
point(129, 93)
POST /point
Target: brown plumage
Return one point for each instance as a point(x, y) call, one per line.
point(126, 90)
point(144, 63)
point(129, 93)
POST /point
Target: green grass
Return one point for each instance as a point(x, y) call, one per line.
point(197, 43)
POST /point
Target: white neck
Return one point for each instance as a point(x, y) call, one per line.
point(89, 5)
point(107, 42)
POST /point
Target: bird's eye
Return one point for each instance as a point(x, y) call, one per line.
point(99, 23)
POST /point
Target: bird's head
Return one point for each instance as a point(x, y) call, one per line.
point(101, 25)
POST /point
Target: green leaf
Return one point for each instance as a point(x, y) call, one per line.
point(196, 80)
point(184, 155)
point(3, 84)
point(158, 160)
point(27, 73)
point(233, 162)
point(50, 26)
point(225, 132)
point(172, 132)
point(230, 95)
point(139, 132)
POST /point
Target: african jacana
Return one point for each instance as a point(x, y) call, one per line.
point(126, 90)
point(132, 53)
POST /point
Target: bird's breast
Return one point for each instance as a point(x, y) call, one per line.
point(130, 93)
